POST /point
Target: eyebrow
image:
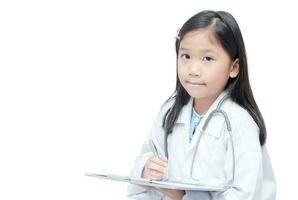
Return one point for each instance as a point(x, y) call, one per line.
point(203, 50)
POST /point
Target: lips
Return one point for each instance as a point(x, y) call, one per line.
point(195, 83)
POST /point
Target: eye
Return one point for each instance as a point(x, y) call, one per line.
point(185, 56)
point(207, 58)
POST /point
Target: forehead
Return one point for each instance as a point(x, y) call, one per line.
point(199, 40)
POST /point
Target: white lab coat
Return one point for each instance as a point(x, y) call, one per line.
point(254, 178)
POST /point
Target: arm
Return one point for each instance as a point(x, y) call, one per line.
point(147, 166)
point(138, 170)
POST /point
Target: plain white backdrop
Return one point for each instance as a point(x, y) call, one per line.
point(81, 81)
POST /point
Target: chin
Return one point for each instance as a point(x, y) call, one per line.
point(197, 95)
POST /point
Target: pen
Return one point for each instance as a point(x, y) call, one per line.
point(153, 148)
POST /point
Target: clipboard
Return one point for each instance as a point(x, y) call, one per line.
point(159, 184)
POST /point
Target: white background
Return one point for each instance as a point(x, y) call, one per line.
point(81, 81)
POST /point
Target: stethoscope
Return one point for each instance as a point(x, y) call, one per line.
point(218, 110)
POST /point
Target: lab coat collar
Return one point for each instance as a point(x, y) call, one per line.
point(216, 123)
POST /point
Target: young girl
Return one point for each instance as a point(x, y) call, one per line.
point(212, 76)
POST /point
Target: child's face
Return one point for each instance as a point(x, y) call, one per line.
point(204, 67)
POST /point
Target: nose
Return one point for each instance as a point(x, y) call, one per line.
point(195, 69)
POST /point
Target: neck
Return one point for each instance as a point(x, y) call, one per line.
point(202, 105)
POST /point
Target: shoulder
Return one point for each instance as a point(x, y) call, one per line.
point(238, 114)
point(157, 129)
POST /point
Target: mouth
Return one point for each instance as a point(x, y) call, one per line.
point(194, 83)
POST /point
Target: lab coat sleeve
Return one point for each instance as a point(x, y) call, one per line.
point(157, 135)
point(248, 165)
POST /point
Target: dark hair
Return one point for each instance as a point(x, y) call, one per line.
point(227, 32)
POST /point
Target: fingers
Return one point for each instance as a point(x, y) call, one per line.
point(157, 165)
point(173, 194)
point(161, 161)
point(156, 168)
point(155, 175)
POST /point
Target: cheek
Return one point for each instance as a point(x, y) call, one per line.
point(218, 77)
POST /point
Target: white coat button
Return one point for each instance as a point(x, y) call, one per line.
point(196, 120)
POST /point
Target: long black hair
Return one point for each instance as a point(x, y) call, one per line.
point(226, 30)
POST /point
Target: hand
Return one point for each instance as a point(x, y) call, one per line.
point(156, 168)
point(173, 194)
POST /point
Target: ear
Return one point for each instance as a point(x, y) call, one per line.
point(234, 69)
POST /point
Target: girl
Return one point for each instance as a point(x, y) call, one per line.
point(211, 73)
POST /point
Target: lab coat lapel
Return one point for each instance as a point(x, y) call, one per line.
point(184, 119)
point(215, 125)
